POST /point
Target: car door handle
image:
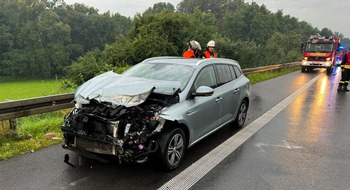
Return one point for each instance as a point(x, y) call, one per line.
point(218, 99)
point(236, 90)
point(190, 112)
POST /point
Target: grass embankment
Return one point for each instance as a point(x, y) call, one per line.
point(43, 130)
point(258, 77)
point(32, 133)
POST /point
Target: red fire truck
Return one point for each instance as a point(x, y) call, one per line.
point(320, 52)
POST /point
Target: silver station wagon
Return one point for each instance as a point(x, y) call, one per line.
point(160, 107)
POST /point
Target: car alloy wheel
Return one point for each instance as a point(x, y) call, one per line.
point(241, 115)
point(172, 148)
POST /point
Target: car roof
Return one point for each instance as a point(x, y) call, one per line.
point(194, 62)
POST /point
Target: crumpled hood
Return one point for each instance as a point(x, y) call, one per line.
point(122, 90)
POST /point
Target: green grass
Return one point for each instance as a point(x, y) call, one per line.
point(39, 131)
point(15, 90)
point(33, 133)
point(258, 77)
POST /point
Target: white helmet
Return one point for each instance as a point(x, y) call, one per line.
point(211, 43)
point(195, 45)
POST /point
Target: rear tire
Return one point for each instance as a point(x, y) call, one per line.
point(303, 69)
point(241, 115)
point(172, 146)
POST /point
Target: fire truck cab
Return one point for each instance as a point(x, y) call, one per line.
point(320, 52)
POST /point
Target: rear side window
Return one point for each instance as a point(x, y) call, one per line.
point(233, 72)
point(224, 73)
point(237, 71)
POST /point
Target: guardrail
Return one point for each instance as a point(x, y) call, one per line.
point(19, 108)
point(269, 68)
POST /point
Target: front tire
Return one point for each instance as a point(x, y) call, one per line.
point(241, 115)
point(172, 146)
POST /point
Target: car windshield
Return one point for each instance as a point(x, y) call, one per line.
point(162, 71)
point(319, 47)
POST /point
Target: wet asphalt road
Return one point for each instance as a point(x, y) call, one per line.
point(305, 146)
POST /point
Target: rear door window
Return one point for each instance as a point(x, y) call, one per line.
point(237, 71)
point(224, 73)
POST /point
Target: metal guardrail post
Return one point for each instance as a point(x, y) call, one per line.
point(13, 124)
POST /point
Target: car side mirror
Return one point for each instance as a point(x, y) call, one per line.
point(204, 91)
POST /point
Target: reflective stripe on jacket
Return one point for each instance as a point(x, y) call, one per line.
point(345, 63)
point(207, 54)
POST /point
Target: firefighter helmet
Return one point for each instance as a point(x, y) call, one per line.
point(194, 45)
point(211, 43)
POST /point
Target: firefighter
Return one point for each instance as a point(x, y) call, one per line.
point(210, 50)
point(193, 50)
point(345, 74)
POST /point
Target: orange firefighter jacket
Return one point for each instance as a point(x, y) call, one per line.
point(207, 54)
point(189, 54)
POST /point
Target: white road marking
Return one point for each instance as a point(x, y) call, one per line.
point(74, 183)
point(286, 145)
point(191, 175)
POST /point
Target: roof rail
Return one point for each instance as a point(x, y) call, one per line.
point(161, 57)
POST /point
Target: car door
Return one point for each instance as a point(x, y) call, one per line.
point(203, 113)
point(230, 92)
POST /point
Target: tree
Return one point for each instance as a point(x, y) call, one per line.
point(216, 7)
point(326, 32)
point(158, 34)
point(85, 67)
point(249, 22)
point(283, 48)
point(154, 34)
point(41, 37)
point(167, 33)
point(262, 25)
point(247, 53)
point(160, 8)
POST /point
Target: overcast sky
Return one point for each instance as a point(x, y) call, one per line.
point(319, 13)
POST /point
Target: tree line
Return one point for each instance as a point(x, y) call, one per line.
point(47, 38)
point(41, 37)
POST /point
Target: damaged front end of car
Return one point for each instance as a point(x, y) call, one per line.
point(106, 121)
point(120, 131)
